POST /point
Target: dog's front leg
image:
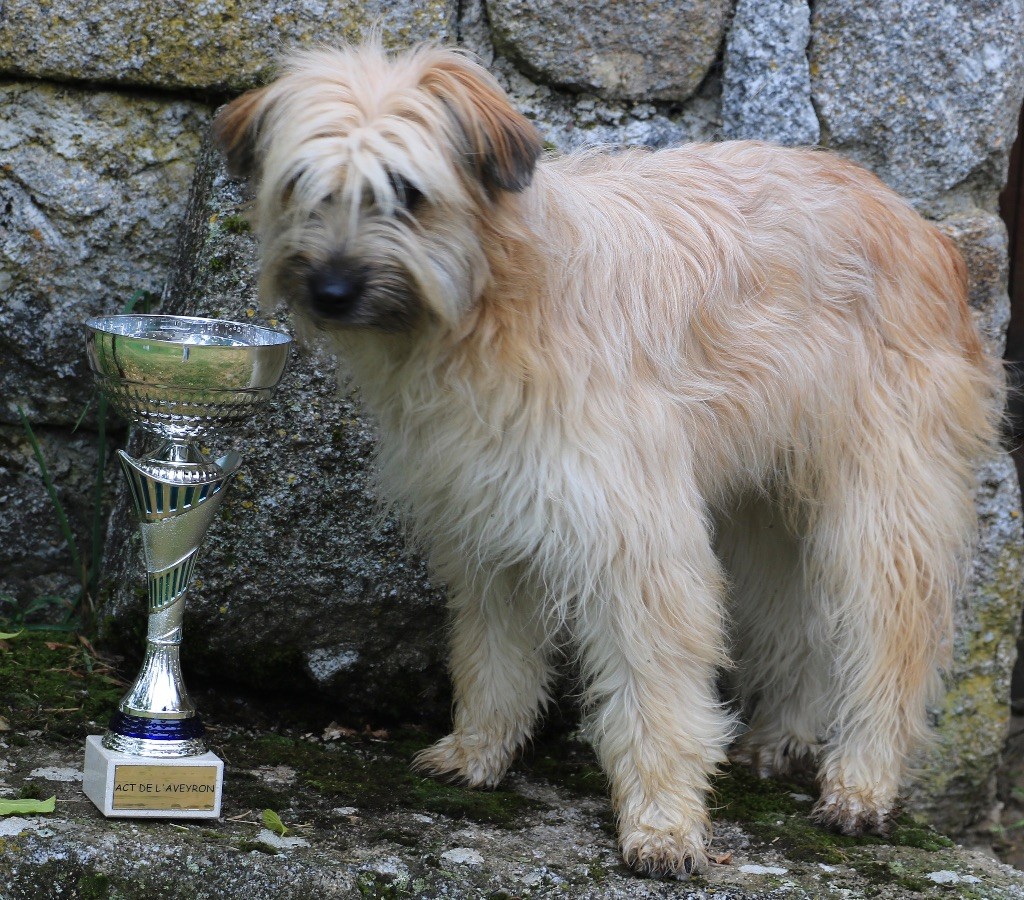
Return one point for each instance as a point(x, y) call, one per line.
point(652, 639)
point(500, 672)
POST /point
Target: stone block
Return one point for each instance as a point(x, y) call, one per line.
point(218, 44)
point(924, 93)
point(766, 89)
point(35, 562)
point(650, 50)
point(958, 782)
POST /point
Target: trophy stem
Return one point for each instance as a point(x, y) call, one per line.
point(176, 491)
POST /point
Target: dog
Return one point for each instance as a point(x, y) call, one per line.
point(682, 411)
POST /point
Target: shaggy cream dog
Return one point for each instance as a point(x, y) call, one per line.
point(627, 399)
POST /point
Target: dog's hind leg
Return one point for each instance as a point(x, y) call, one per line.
point(781, 669)
point(651, 635)
point(500, 672)
point(885, 544)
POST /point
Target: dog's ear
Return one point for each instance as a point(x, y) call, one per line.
point(234, 129)
point(502, 145)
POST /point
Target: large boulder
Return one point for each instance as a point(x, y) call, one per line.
point(361, 824)
point(92, 188)
point(959, 786)
point(181, 44)
point(36, 566)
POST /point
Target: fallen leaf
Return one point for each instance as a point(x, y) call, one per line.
point(721, 859)
point(273, 821)
point(18, 807)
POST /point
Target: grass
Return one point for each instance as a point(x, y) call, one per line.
point(62, 518)
point(87, 574)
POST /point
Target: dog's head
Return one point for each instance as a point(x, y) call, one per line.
point(374, 173)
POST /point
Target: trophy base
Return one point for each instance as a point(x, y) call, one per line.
point(126, 785)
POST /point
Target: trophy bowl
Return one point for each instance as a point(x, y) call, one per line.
point(182, 377)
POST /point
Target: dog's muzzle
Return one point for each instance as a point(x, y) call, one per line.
point(334, 291)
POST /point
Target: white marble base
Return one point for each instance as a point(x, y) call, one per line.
point(120, 784)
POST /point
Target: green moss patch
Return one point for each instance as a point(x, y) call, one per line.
point(375, 775)
point(56, 684)
point(769, 811)
point(236, 224)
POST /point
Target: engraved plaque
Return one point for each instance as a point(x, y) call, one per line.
point(165, 787)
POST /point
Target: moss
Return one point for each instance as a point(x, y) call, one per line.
point(247, 846)
point(34, 790)
point(52, 683)
point(93, 886)
point(568, 763)
point(975, 712)
point(400, 836)
point(767, 809)
point(895, 873)
point(380, 886)
point(909, 833)
point(63, 877)
point(376, 776)
point(251, 792)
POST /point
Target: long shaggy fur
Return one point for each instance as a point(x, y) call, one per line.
point(688, 409)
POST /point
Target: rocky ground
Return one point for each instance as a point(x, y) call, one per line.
point(360, 824)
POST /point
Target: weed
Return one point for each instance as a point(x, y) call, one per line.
point(237, 224)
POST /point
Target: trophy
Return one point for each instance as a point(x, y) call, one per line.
point(181, 379)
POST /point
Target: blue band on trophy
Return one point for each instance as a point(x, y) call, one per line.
point(156, 729)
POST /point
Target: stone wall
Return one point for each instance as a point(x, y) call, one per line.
point(102, 123)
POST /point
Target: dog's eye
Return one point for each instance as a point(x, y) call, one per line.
point(409, 196)
point(289, 188)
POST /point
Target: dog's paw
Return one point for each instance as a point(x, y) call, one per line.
point(658, 852)
point(469, 759)
point(854, 813)
point(774, 756)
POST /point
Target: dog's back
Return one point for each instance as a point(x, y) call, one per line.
point(762, 288)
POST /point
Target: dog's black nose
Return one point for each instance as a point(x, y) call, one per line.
point(334, 290)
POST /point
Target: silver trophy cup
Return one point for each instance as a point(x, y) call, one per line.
point(182, 380)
